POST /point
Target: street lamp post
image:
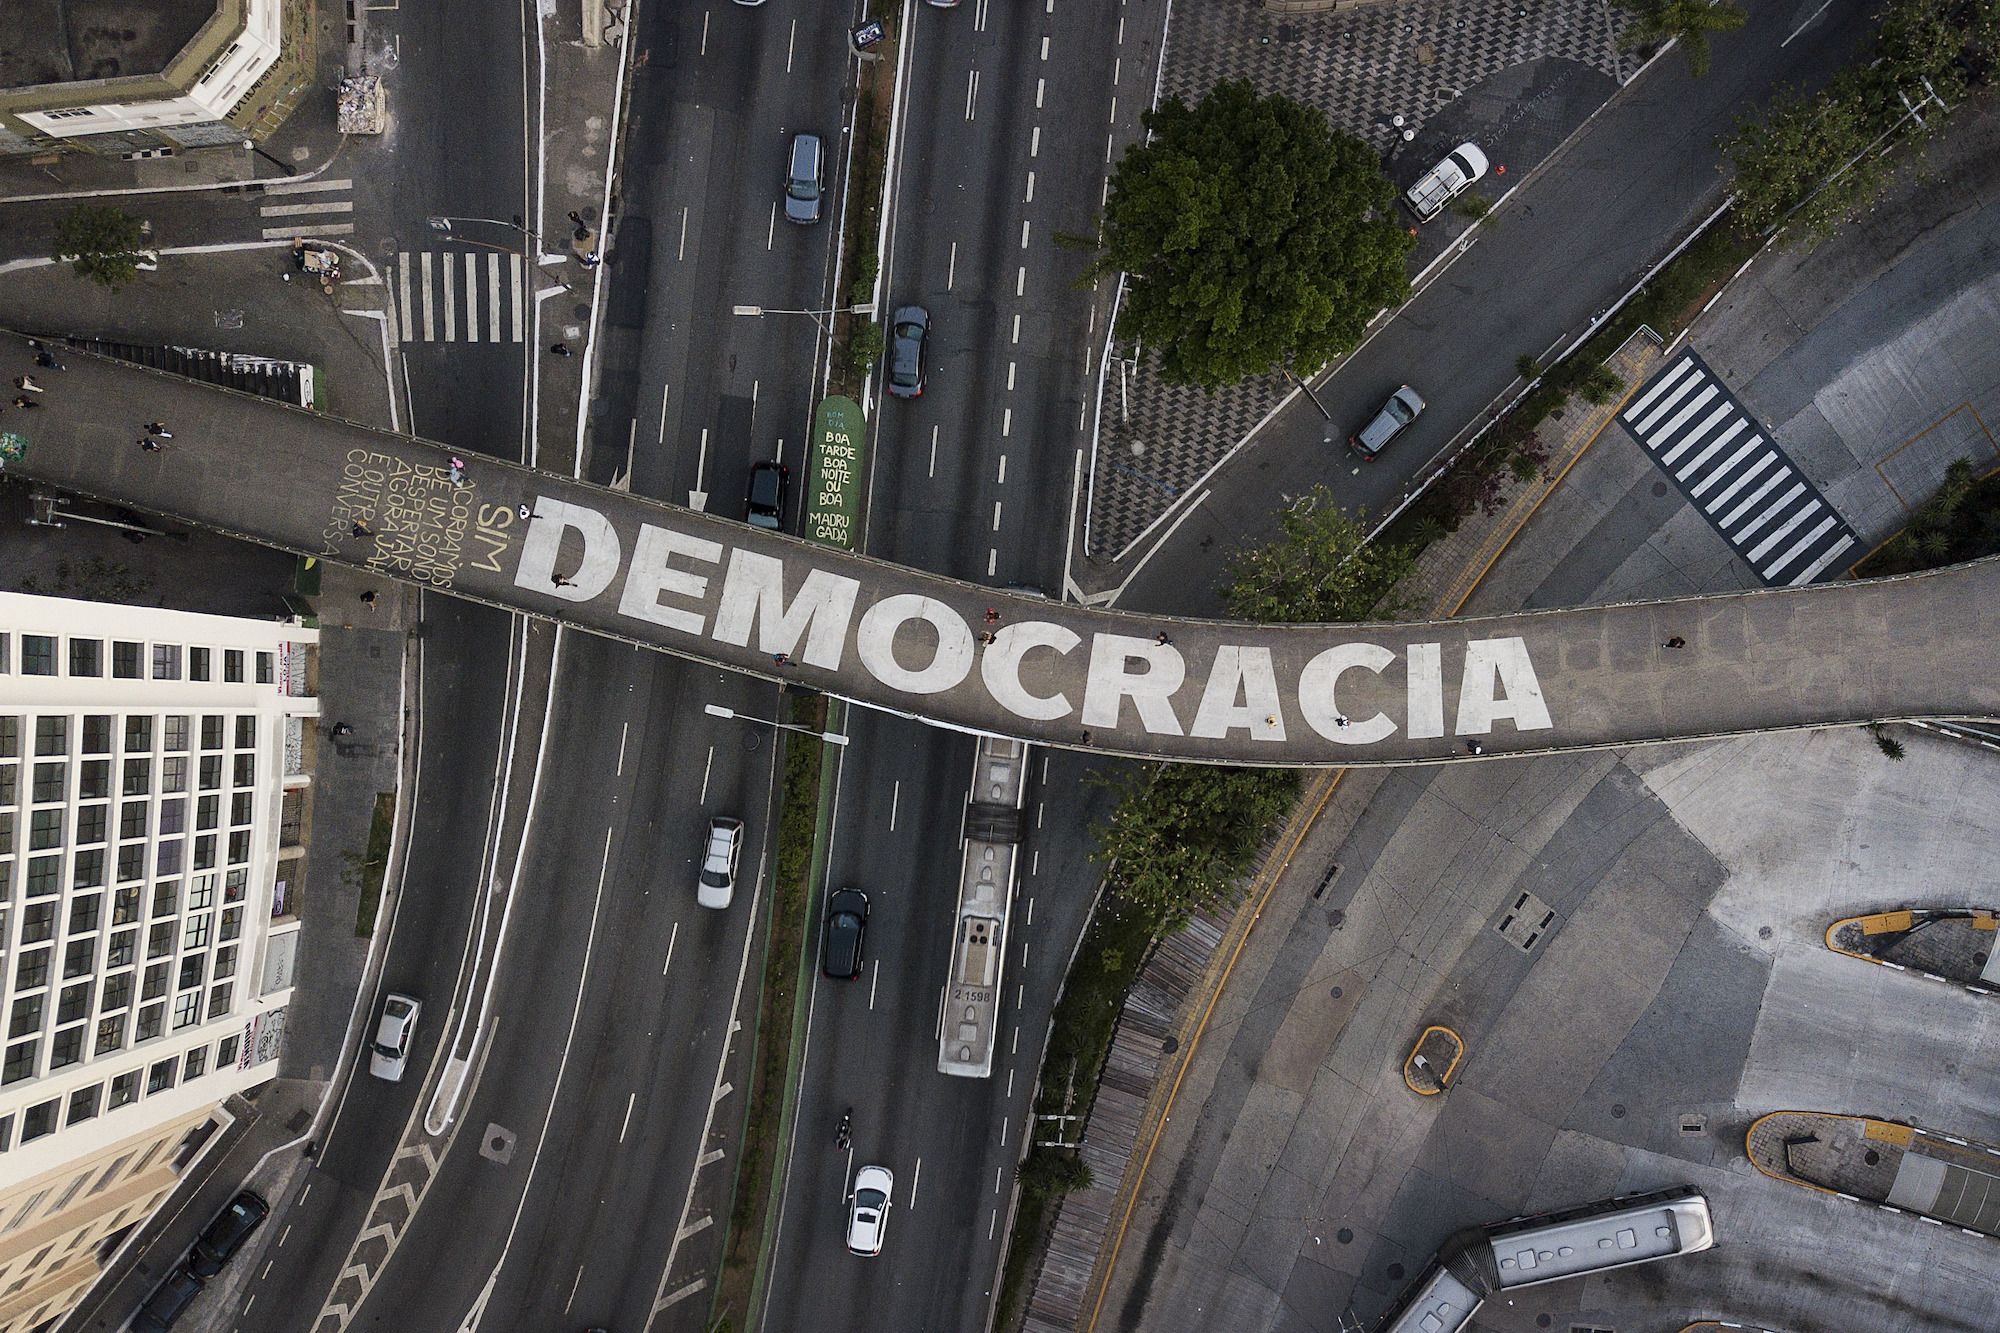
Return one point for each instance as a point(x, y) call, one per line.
point(717, 710)
point(865, 308)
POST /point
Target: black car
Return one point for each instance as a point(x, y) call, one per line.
point(168, 1302)
point(226, 1234)
point(764, 505)
point(846, 928)
point(909, 330)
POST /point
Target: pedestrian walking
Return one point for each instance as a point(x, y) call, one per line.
point(525, 512)
point(47, 361)
point(1676, 642)
point(1474, 747)
point(1162, 639)
point(1086, 736)
point(562, 582)
point(457, 468)
point(1340, 720)
point(150, 445)
point(576, 217)
point(561, 349)
point(159, 428)
point(591, 260)
point(992, 616)
point(342, 729)
point(1270, 719)
point(22, 400)
point(368, 597)
point(987, 636)
point(27, 382)
point(361, 529)
point(781, 659)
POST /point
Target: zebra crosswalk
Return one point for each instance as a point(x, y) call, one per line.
point(307, 208)
point(459, 296)
point(1729, 469)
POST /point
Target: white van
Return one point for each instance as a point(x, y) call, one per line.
point(1446, 181)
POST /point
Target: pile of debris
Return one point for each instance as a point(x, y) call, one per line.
point(363, 105)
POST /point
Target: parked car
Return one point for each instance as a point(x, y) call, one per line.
point(909, 331)
point(390, 1054)
point(805, 179)
point(1403, 407)
point(764, 503)
point(168, 1302)
point(225, 1235)
point(846, 929)
point(718, 862)
point(1446, 181)
point(868, 1212)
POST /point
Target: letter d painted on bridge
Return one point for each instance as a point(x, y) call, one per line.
point(834, 477)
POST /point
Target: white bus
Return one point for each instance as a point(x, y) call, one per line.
point(969, 1010)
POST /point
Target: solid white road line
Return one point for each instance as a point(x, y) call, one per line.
point(623, 732)
point(895, 799)
point(314, 186)
point(306, 210)
point(706, 769)
point(493, 298)
point(628, 1116)
point(671, 938)
point(430, 315)
point(450, 297)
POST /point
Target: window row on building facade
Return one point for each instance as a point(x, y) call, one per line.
point(119, 1090)
point(130, 659)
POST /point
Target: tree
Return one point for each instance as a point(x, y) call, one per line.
point(102, 244)
point(1321, 568)
point(1181, 835)
point(1688, 22)
point(1810, 154)
point(1255, 238)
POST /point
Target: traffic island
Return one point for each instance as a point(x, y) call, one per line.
point(1952, 944)
point(1433, 1061)
point(1951, 1181)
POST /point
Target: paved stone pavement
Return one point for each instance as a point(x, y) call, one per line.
point(763, 603)
point(1515, 76)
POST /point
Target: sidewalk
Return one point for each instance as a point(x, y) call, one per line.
point(1518, 82)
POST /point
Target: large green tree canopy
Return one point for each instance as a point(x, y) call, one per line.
point(1254, 235)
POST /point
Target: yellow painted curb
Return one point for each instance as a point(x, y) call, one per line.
point(1794, 1180)
point(1444, 1079)
point(1110, 1263)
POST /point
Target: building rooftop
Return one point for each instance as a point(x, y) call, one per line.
point(78, 41)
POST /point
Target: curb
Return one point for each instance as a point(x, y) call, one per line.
point(829, 762)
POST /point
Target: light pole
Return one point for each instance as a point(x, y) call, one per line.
point(866, 308)
point(441, 223)
point(830, 737)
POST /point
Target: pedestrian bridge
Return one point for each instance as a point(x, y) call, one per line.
point(717, 591)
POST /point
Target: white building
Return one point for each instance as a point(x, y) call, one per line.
point(149, 77)
point(151, 765)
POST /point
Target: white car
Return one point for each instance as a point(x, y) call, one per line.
point(390, 1053)
point(868, 1214)
point(718, 862)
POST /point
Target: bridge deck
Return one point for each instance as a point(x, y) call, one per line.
point(707, 588)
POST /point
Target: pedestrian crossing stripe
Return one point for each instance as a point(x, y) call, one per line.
point(1748, 489)
point(296, 214)
point(460, 296)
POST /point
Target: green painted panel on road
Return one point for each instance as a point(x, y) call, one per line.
point(833, 504)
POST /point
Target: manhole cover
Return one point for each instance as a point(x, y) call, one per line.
point(1345, 1236)
point(1395, 1272)
point(1871, 1157)
point(1339, 991)
point(497, 1145)
point(1763, 932)
point(1618, 1110)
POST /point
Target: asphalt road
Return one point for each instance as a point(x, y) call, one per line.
point(616, 991)
point(1632, 183)
point(971, 479)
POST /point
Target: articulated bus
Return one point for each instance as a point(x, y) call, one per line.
point(969, 1010)
point(1595, 1238)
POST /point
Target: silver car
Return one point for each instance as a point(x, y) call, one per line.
point(718, 862)
point(1403, 407)
point(390, 1053)
point(909, 331)
point(805, 179)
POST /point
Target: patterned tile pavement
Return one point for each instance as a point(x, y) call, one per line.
point(1518, 75)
